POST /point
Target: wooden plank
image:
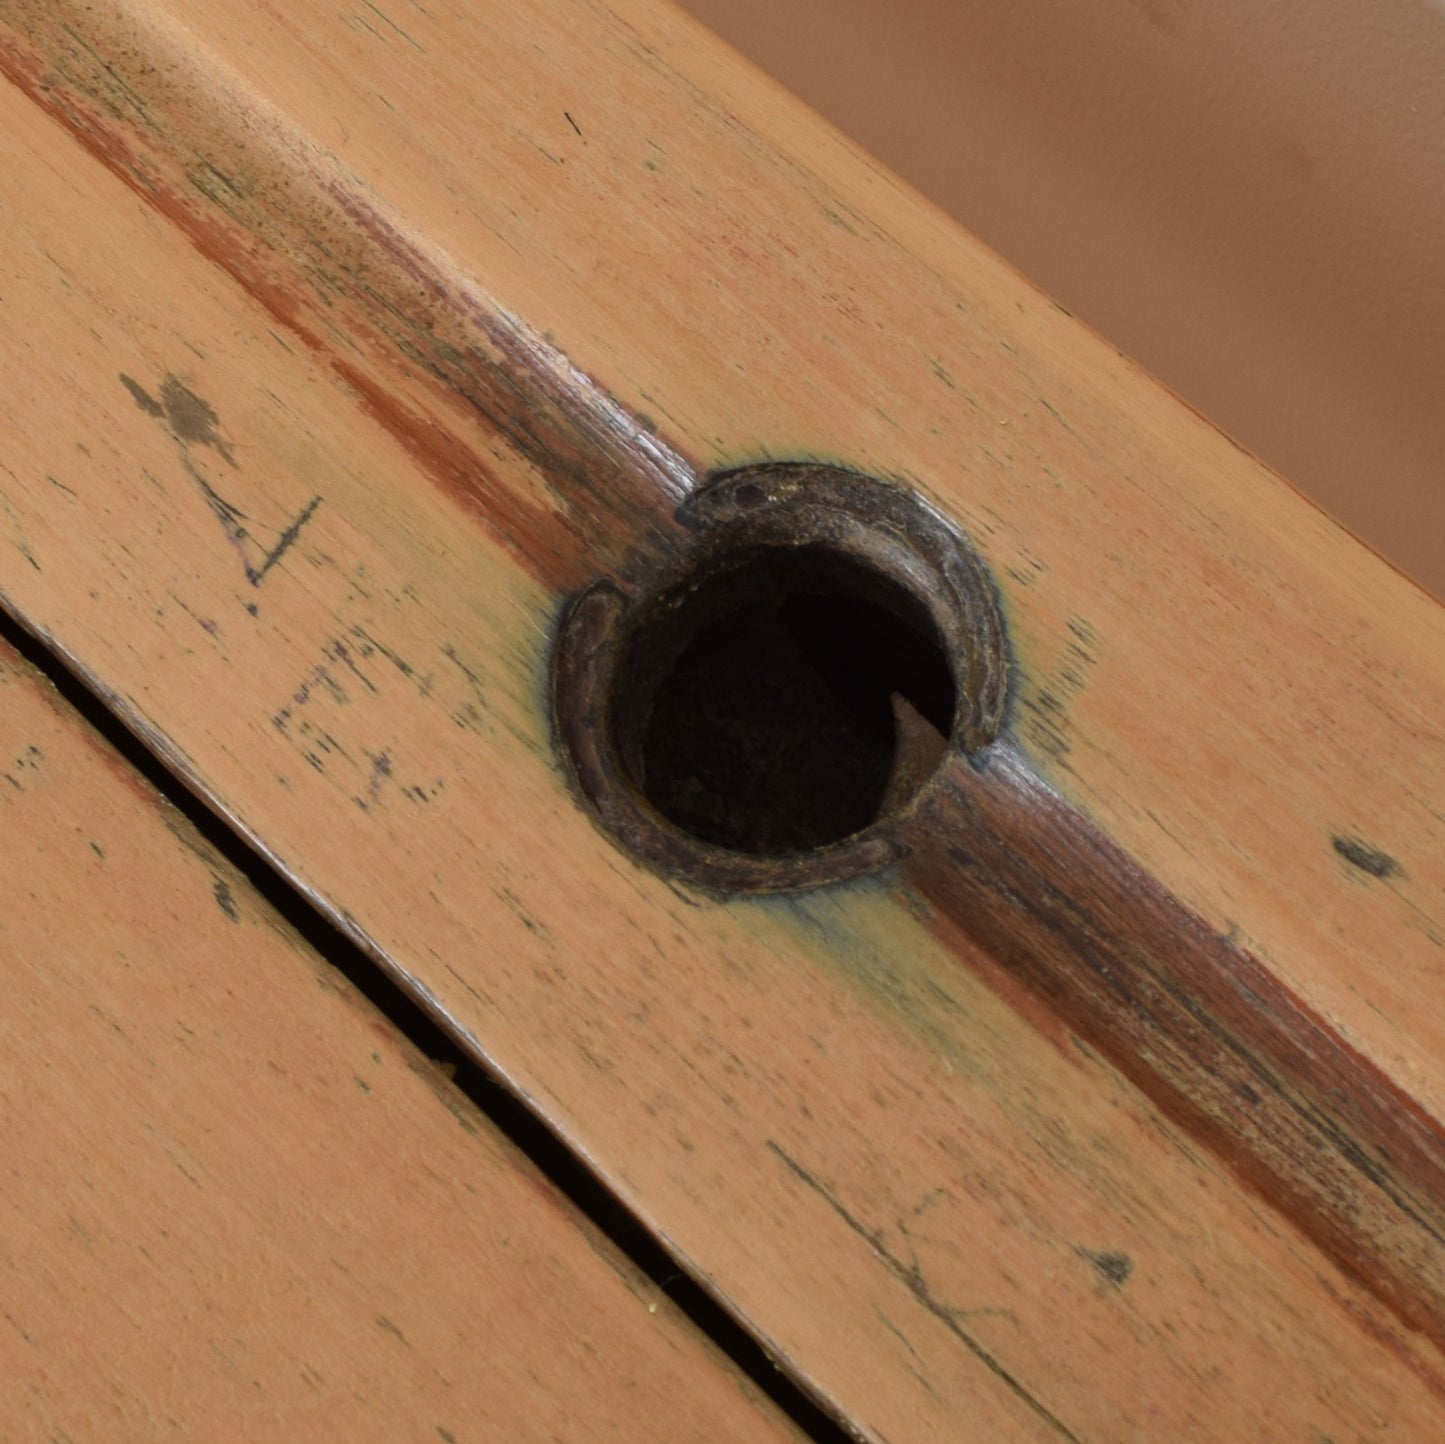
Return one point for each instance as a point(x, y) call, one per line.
point(1247, 200)
point(848, 1068)
point(237, 1203)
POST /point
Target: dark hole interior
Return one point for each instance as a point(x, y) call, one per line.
point(788, 703)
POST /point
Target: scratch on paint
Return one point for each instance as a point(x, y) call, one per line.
point(912, 1278)
point(192, 421)
point(288, 538)
point(391, 24)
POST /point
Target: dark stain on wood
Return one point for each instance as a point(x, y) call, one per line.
point(1114, 1268)
point(1368, 859)
point(143, 398)
point(221, 890)
point(192, 421)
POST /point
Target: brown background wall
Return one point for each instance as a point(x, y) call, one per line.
point(1247, 198)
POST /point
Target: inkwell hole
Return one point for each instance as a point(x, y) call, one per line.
point(790, 698)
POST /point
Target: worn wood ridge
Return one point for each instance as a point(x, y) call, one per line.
point(1197, 1022)
point(368, 398)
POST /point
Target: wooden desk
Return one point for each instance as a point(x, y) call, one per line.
point(343, 348)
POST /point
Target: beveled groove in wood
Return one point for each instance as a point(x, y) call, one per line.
point(1196, 1022)
point(237, 1203)
point(503, 1112)
point(945, 1209)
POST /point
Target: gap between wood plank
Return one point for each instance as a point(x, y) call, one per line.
point(526, 1130)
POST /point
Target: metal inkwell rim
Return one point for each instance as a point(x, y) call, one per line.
point(616, 638)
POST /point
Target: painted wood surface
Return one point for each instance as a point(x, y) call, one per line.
point(402, 328)
point(237, 1203)
point(1247, 199)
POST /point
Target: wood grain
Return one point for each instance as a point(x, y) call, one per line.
point(237, 1203)
point(1197, 1022)
point(331, 259)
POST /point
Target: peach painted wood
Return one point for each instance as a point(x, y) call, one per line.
point(397, 328)
point(1246, 198)
point(237, 1204)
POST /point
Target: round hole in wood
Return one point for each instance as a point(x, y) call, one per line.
point(792, 700)
point(766, 712)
